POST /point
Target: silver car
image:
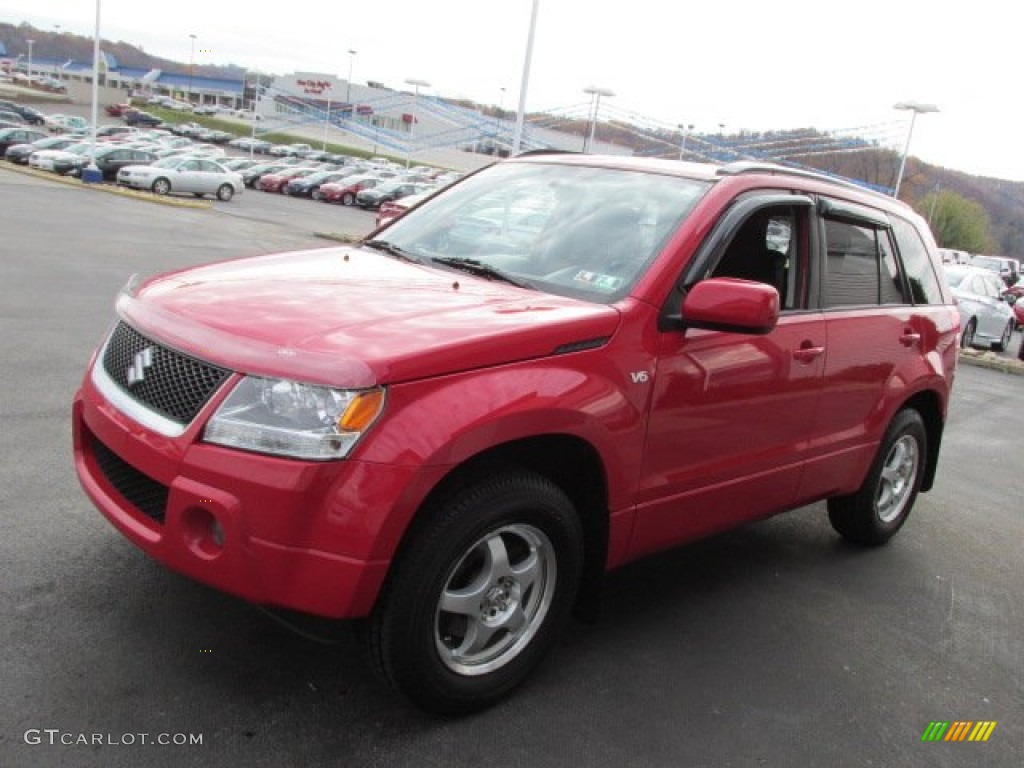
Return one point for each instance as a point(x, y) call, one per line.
point(985, 316)
point(197, 175)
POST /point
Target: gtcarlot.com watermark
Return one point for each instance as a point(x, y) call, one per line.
point(56, 737)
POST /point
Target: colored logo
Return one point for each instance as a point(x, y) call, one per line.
point(959, 730)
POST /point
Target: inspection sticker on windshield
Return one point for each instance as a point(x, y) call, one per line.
point(597, 280)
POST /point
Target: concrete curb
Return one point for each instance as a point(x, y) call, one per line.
point(112, 190)
point(991, 361)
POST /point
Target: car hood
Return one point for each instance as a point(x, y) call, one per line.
point(356, 318)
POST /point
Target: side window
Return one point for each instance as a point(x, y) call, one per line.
point(924, 283)
point(853, 269)
point(766, 249)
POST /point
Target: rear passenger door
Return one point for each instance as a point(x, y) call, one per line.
point(887, 324)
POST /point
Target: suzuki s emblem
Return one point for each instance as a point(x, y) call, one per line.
point(137, 370)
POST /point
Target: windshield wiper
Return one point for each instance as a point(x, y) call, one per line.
point(478, 268)
point(391, 249)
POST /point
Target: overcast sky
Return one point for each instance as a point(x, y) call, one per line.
point(747, 64)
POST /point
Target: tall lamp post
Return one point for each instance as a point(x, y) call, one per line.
point(30, 44)
point(517, 136)
point(255, 103)
point(686, 132)
point(596, 94)
point(191, 61)
point(915, 109)
point(417, 84)
point(327, 118)
point(348, 86)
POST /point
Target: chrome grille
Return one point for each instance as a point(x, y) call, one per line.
point(166, 381)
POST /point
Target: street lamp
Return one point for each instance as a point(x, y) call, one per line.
point(517, 137)
point(327, 118)
point(686, 132)
point(348, 87)
point(255, 102)
point(916, 109)
point(30, 44)
point(596, 94)
point(191, 60)
point(417, 84)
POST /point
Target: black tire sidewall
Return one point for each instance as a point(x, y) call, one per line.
point(404, 623)
point(856, 516)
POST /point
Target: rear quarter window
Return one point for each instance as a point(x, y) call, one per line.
point(925, 286)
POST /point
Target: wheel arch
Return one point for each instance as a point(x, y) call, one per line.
point(568, 461)
point(930, 407)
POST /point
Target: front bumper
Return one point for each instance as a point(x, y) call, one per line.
point(299, 535)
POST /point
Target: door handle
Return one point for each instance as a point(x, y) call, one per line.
point(807, 352)
point(909, 338)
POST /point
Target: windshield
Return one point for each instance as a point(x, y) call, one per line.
point(583, 232)
point(955, 276)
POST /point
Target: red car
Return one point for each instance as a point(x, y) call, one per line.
point(275, 182)
point(345, 191)
point(454, 437)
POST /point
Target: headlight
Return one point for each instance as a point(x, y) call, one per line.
point(288, 418)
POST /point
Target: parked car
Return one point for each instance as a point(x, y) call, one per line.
point(274, 182)
point(24, 135)
point(29, 114)
point(138, 117)
point(345, 191)
point(306, 186)
point(1008, 269)
point(19, 153)
point(384, 193)
point(12, 118)
point(454, 448)
point(395, 208)
point(119, 132)
point(1018, 316)
point(985, 317)
point(117, 110)
point(253, 173)
point(198, 176)
point(110, 160)
point(66, 124)
point(61, 160)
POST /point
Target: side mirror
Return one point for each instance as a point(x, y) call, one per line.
point(732, 305)
point(1010, 298)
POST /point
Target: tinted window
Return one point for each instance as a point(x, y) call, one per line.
point(852, 271)
point(924, 283)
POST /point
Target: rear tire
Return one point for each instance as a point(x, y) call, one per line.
point(878, 509)
point(348, 198)
point(479, 593)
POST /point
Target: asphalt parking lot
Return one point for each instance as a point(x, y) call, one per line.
point(774, 645)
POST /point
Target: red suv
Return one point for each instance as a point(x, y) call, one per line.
point(452, 430)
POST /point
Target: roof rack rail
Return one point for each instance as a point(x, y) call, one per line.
point(536, 152)
point(748, 166)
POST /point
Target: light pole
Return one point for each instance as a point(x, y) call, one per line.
point(517, 137)
point(255, 102)
point(327, 118)
point(596, 94)
point(92, 173)
point(417, 84)
point(348, 87)
point(686, 132)
point(30, 44)
point(191, 60)
point(915, 109)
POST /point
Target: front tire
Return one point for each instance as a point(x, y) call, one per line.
point(878, 509)
point(225, 192)
point(967, 337)
point(478, 594)
point(161, 187)
point(1004, 340)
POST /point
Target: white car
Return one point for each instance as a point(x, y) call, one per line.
point(986, 318)
point(66, 124)
point(47, 159)
point(196, 175)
